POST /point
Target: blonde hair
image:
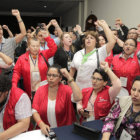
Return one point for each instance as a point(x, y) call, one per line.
point(72, 48)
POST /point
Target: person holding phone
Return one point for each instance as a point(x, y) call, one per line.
point(98, 99)
point(52, 104)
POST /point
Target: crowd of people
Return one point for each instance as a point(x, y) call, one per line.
point(65, 77)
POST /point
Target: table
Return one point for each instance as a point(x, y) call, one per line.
point(63, 133)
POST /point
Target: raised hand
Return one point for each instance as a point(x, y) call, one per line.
point(5, 27)
point(104, 65)
point(15, 12)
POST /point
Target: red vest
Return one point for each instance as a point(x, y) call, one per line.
point(64, 110)
point(9, 113)
point(126, 68)
point(102, 103)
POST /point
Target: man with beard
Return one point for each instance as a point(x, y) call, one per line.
point(15, 109)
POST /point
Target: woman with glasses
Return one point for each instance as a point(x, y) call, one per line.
point(98, 99)
point(32, 66)
point(127, 64)
point(52, 106)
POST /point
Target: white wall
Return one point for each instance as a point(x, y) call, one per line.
point(109, 10)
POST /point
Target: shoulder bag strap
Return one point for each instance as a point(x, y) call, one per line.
point(45, 60)
point(98, 61)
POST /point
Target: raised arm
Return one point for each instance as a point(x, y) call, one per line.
point(109, 35)
point(8, 30)
point(51, 44)
point(116, 83)
point(77, 95)
point(20, 36)
point(57, 27)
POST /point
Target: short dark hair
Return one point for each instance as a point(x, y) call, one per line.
point(133, 40)
point(58, 67)
point(5, 83)
point(102, 73)
point(137, 78)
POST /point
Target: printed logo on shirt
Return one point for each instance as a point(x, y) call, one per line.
point(102, 100)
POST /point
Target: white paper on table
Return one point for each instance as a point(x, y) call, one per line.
point(31, 135)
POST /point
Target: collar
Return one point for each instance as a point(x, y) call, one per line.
point(3, 40)
point(130, 56)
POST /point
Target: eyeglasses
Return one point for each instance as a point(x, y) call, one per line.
point(126, 44)
point(53, 75)
point(97, 79)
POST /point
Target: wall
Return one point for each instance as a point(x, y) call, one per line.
point(70, 18)
point(127, 10)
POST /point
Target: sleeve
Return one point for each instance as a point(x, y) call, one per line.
point(138, 56)
point(3, 64)
point(112, 118)
point(52, 48)
point(23, 107)
point(102, 53)
point(17, 72)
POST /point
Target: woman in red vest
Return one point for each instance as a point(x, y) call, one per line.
point(127, 64)
point(97, 100)
point(52, 106)
point(32, 66)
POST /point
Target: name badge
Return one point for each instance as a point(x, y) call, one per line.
point(69, 65)
point(35, 76)
point(125, 135)
point(123, 81)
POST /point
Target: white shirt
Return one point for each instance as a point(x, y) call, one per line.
point(84, 71)
point(51, 113)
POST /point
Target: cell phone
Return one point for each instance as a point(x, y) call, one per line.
point(86, 111)
point(52, 134)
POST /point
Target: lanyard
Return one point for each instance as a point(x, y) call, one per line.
point(34, 62)
point(68, 53)
point(85, 57)
point(131, 120)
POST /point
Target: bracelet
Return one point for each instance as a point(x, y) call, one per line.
point(39, 122)
point(20, 21)
point(70, 80)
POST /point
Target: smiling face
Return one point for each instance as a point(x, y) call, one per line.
point(129, 46)
point(135, 93)
point(53, 77)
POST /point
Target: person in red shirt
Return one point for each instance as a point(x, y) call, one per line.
point(52, 104)
point(97, 100)
point(32, 66)
point(127, 64)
